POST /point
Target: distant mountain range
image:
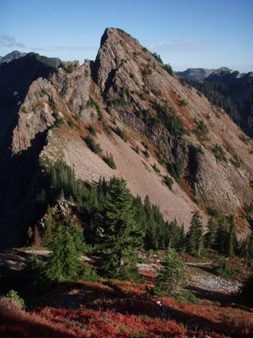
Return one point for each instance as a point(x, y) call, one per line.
point(201, 74)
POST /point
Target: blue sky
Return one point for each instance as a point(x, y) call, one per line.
point(185, 33)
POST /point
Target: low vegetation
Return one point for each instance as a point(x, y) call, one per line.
point(110, 161)
point(94, 147)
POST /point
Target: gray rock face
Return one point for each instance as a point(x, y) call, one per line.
point(73, 87)
point(127, 72)
point(132, 90)
point(220, 186)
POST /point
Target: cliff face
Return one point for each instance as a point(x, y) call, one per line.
point(127, 88)
point(126, 71)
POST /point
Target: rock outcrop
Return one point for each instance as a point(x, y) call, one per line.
point(127, 88)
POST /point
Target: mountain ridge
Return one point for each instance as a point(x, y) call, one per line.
point(127, 89)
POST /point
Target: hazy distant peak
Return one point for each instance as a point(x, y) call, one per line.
point(198, 74)
point(14, 55)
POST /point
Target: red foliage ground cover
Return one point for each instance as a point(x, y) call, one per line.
point(111, 324)
point(123, 309)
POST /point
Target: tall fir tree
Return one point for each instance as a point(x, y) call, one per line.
point(222, 235)
point(63, 264)
point(195, 236)
point(150, 239)
point(176, 235)
point(121, 236)
point(49, 226)
point(172, 277)
point(210, 236)
point(232, 244)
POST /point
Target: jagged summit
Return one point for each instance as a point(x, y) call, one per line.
point(154, 126)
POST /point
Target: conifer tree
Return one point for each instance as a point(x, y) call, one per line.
point(171, 278)
point(176, 235)
point(221, 244)
point(49, 226)
point(63, 263)
point(182, 239)
point(195, 237)
point(121, 236)
point(150, 239)
point(232, 240)
point(210, 237)
point(246, 249)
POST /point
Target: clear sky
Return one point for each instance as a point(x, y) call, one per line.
point(185, 33)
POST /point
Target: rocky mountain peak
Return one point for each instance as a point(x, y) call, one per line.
point(116, 51)
point(14, 55)
point(153, 125)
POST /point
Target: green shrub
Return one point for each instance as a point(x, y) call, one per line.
point(224, 270)
point(121, 133)
point(13, 297)
point(156, 169)
point(176, 170)
point(168, 118)
point(182, 103)
point(108, 159)
point(201, 129)
point(189, 297)
point(69, 68)
point(52, 103)
point(168, 181)
point(168, 69)
point(71, 124)
point(219, 153)
point(157, 56)
point(146, 153)
point(91, 130)
point(95, 147)
point(107, 129)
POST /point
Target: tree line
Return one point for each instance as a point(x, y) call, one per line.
point(155, 233)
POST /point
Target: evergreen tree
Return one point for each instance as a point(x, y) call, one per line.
point(232, 245)
point(246, 249)
point(49, 226)
point(63, 263)
point(221, 244)
point(176, 235)
point(195, 237)
point(210, 237)
point(182, 239)
point(171, 278)
point(121, 237)
point(150, 239)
